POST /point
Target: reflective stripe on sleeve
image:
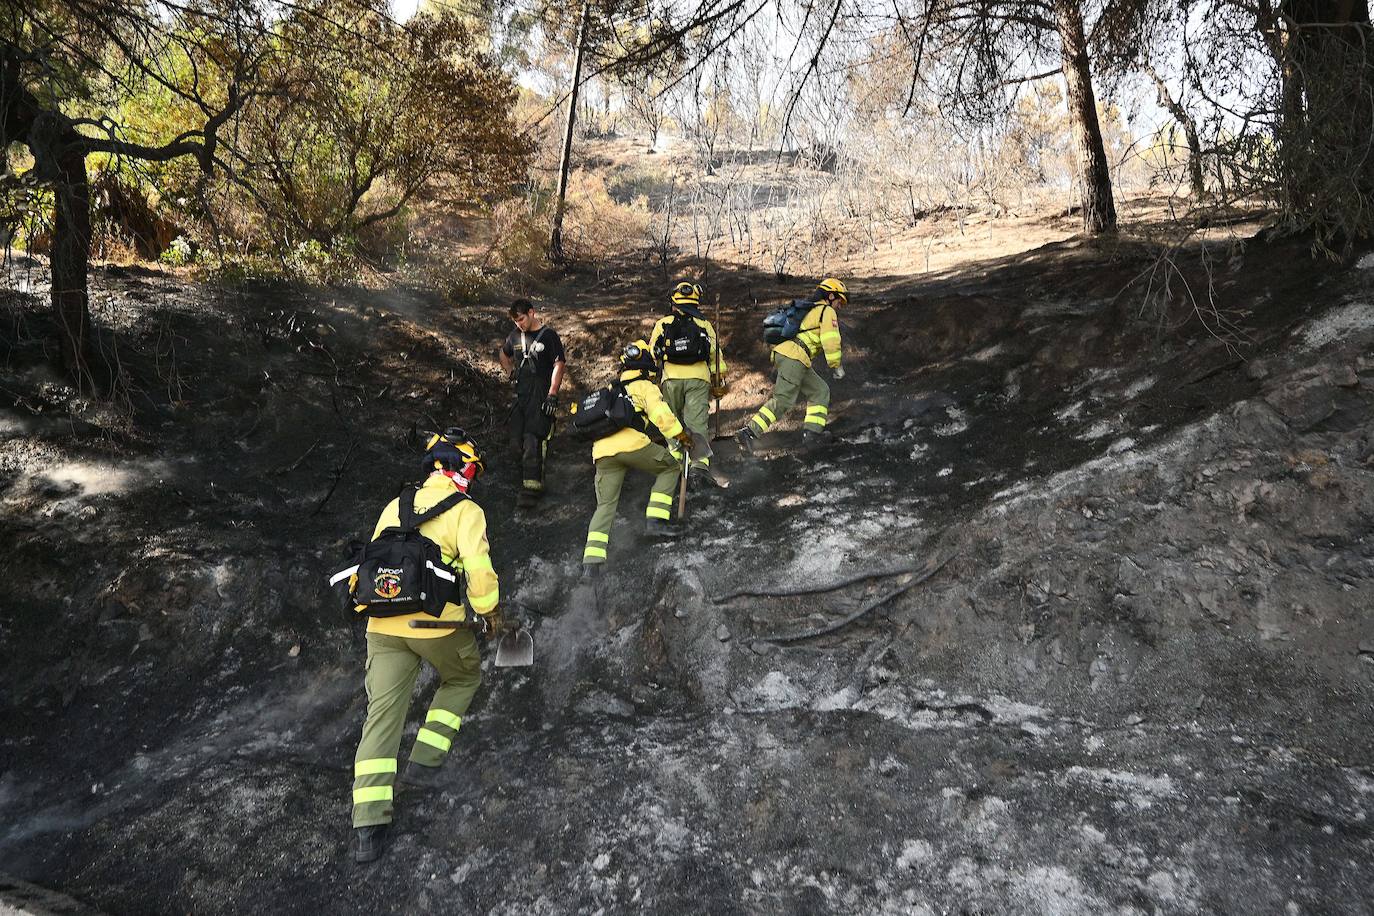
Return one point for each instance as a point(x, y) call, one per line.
point(479, 562)
point(485, 602)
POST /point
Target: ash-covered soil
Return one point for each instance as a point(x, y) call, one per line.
point(1142, 681)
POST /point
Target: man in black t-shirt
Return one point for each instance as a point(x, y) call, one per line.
point(533, 357)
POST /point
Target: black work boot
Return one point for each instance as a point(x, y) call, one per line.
point(746, 437)
point(527, 499)
point(422, 776)
point(658, 528)
point(370, 841)
point(591, 572)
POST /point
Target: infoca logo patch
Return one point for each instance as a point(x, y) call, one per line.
point(387, 584)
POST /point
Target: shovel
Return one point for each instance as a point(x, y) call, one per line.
point(515, 648)
point(700, 451)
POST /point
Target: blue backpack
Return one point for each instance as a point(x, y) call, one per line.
point(785, 322)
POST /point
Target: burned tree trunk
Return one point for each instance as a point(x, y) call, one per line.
point(1099, 210)
point(70, 261)
point(1326, 125)
point(1185, 121)
point(556, 254)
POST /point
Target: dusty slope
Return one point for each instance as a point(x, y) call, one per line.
point(1141, 684)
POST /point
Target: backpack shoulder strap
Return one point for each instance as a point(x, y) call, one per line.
point(405, 508)
point(439, 508)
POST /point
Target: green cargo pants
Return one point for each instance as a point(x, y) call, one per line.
point(690, 399)
point(393, 662)
point(610, 475)
point(795, 378)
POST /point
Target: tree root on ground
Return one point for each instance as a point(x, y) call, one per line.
point(924, 573)
point(816, 589)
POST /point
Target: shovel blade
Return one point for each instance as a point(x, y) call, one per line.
point(700, 448)
point(515, 649)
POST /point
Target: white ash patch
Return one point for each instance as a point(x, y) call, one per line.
point(840, 699)
point(958, 423)
point(1072, 412)
point(1053, 891)
point(1140, 386)
point(776, 691)
point(987, 354)
point(1097, 431)
point(944, 472)
point(92, 478)
point(915, 852)
point(831, 495)
point(1124, 444)
point(1338, 323)
point(919, 449)
point(1142, 790)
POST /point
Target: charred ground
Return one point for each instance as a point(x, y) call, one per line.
point(1142, 682)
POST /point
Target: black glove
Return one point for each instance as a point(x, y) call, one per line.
point(550, 406)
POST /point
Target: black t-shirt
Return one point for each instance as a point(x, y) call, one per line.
point(535, 350)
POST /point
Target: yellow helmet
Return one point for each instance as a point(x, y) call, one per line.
point(832, 285)
point(686, 293)
point(637, 355)
point(453, 450)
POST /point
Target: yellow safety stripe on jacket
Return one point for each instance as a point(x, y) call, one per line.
point(377, 766)
point(461, 534)
point(434, 739)
point(444, 717)
point(371, 794)
point(713, 366)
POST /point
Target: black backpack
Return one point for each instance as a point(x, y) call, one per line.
point(402, 571)
point(684, 341)
point(606, 411)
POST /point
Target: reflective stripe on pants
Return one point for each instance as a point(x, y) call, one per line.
point(393, 662)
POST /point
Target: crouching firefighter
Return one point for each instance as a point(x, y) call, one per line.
point(429, 542)
point(797, 332)
point(615, 418)
point(687, 348)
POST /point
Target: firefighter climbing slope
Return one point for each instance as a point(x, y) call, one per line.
point(427, 543)
point(797, 333)
point(617, 418)
point(688, 352)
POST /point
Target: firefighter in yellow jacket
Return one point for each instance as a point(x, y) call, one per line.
point(629, 448)
point(693, 368)
point(394, 650)
point(820, 331)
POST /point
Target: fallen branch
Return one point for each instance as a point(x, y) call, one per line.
point(925, 574)
point(811, 590)
point(338, 476)
point(297, 463)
